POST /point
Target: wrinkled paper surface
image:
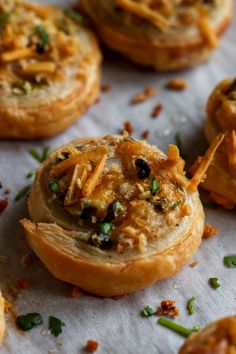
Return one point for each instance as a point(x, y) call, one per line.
point(117, 325)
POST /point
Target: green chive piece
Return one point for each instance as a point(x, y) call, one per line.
point(190, 306)
point(179, 144)
point(230, 261)
point(174, 206)
point(31, 173)
point(45, 154)
point(29, 321)
point(77, 17)
point(214, 283)
point(43, 34)
point(154, 186)
point(5, 17)
point(177, 328)
point(35, 154)
point(105, 227)
point(53, 186)
point(148, 311)
point(22, 192)
point(55, 325)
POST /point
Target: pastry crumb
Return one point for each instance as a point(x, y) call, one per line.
point(91, 346)
point(105, 88)
point(193, 264)
point(144, 95)
point(128, 127)
point(209, 231)
point(156, 111)
point(145, 134)
point(177, 84)
point(168, 308)
point(75, 292)
point(7, 191)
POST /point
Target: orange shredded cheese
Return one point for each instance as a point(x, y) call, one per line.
point(17, 54)
point(173, 153)
point(79, 177)
point(205, 163)
point(205, 27)
point(92, 181)
point(42, 67)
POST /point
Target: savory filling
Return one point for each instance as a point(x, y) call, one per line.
point(127, 192)
point(37, 44)
point(173, 14)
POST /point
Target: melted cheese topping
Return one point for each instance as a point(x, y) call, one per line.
point(124, 185)
point(37, 45)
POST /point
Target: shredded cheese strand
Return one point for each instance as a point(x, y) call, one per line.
point(43, 67)
point(92, 181)
point(205, 27)
point(17, 54)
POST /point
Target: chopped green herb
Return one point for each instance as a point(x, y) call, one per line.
point(105, 227)
point(177, 328)
point(190, 306)
point(179, 144)
point(46, 152)
point(28, 321)
point(40, 157)
point(35, 155)
point(102, 241)
point(114, 209)
point(230, 261)
point(148, 311)
point(174, 206)
point(43, 34)
point(77, 17)
point(53, 186)
point(214, 283)
point(154, 186)
point(31, 173)
point(4, 18)
point(55, 325)
point(24, 191)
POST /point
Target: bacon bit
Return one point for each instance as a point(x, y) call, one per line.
point(128, 127)
point(209, 231)
point(221, 200)
point(3, 204)
point(91, 346)
point(156, 111)
point(105, 88)
point(27, 260)
point(75, 292)
point(144, 95)
point(145, 134)
point(177, 84)
point(193, 264)
point(23, 283)
point(167, 308)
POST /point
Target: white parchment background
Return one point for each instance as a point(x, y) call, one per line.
point(117, 325)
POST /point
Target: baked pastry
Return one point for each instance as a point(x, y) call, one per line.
point(164, 34)
point(221, 109)
point(113, 214)
point(49, 69)
point(219, 337)
point(2, 319)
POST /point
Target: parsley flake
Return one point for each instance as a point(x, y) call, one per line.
point(22, 192)
point(154, 186)
point(53, 186)
point(190, 306)
point(40, 157)
point(5, 17)
point(43, 35)
point(77, 17)
point(55, 325)
point(174, 206)
point(105, 227)
point(214, 283)
point(29, 321)
point(230, 261)
point(148, 311)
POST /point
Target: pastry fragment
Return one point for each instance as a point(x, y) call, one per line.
point(164, 34)
point(219, 337)
point(2, 319)
point(49, 69)
point(112, 215)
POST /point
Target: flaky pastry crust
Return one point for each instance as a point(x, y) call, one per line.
point(164, 34)
point(2, 319)
point(113, 215)
point(219, 337)
point(49, 69)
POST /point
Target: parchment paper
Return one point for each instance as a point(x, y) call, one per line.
point(117, 325)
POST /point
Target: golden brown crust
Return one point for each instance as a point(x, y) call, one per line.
point(219, 337)
point(2, 319)
point(176, 50)
point(166, 247)
point(42, 94)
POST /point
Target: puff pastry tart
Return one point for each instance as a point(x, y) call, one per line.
point(113, 214)
point(221, 109)
point(164, 34)
point(218, 337)
point(49, 69)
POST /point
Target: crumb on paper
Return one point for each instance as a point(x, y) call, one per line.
point(193, 264)
point(177, 84)
point(128, 127)
point(3, 204)
point(177, 286)
point(26, 260)
point(97, 100)
point(23, 283)
point(145, 134)
point(168, 308)
point(209, 231)
point(105, 88)
point(157, 110)
point(91, 346)
point(75, 292)
point(144, 95)
point(7, 191)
